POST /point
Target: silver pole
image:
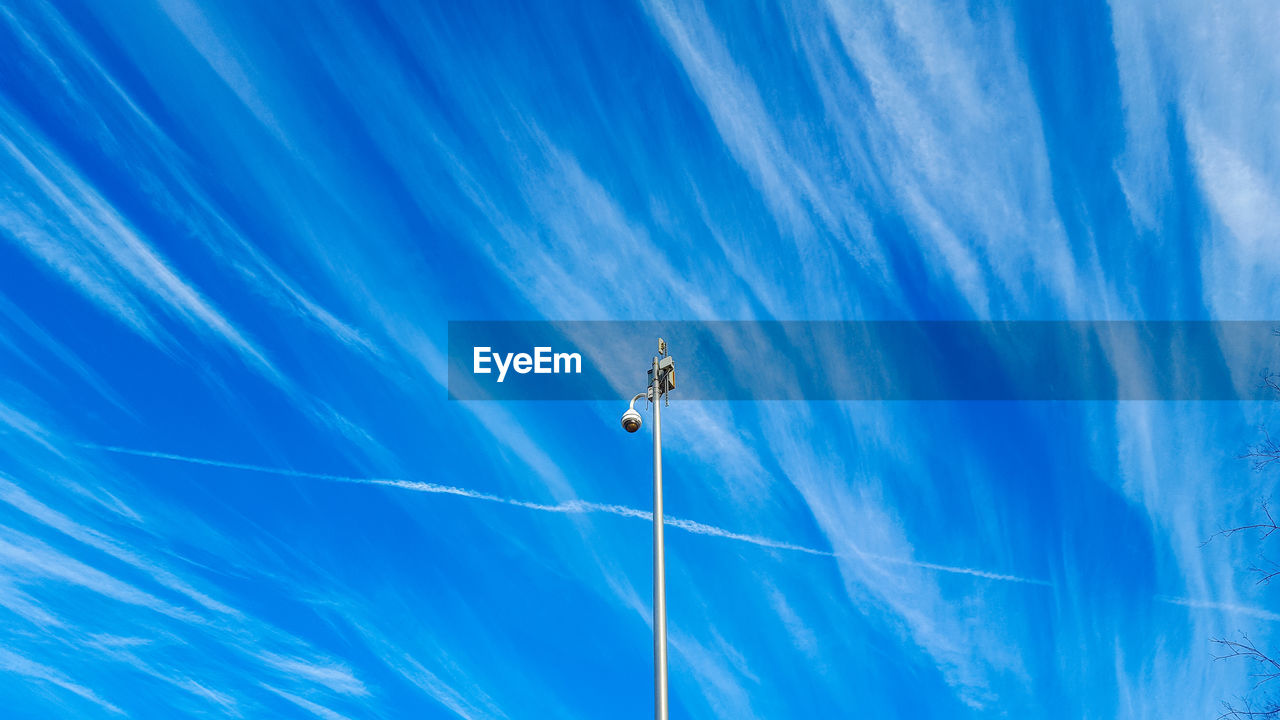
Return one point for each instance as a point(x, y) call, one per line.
point(659, 564)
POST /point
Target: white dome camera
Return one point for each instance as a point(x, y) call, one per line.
point(631, 420)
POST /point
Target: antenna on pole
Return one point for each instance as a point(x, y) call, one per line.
point(664, 372)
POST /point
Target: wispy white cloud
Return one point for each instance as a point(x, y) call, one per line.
point(954, 130)
point(312, 707)
point(68, 225)
point(448, 685)
point(94, 248)
point(78, 575)
point(27, 556)
point(59, 351)
point(803, 635)
point(22, 501)
point(25, 606)
point(333, 675)
point(13, 662)
point(748, 128)
point(1190, 73)
point(1161, 457)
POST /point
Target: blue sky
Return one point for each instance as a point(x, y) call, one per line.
point(231, 483)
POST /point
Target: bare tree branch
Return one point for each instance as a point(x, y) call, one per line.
point(1265, 452)
point(1247, 710)
point(1266, 574)
point(1271, 380)
point(1262, 455)
point(1244, 647)
point(1268, 667)
point(1266, 526)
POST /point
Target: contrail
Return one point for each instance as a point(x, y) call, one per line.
point(1223, 607)
point(571, 507)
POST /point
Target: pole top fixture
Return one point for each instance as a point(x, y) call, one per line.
point(664, 367)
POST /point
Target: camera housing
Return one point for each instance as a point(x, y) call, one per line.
point(631, 420)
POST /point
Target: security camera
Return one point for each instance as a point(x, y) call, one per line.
point(631, 420)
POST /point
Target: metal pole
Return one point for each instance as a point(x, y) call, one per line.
point(659, 565)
